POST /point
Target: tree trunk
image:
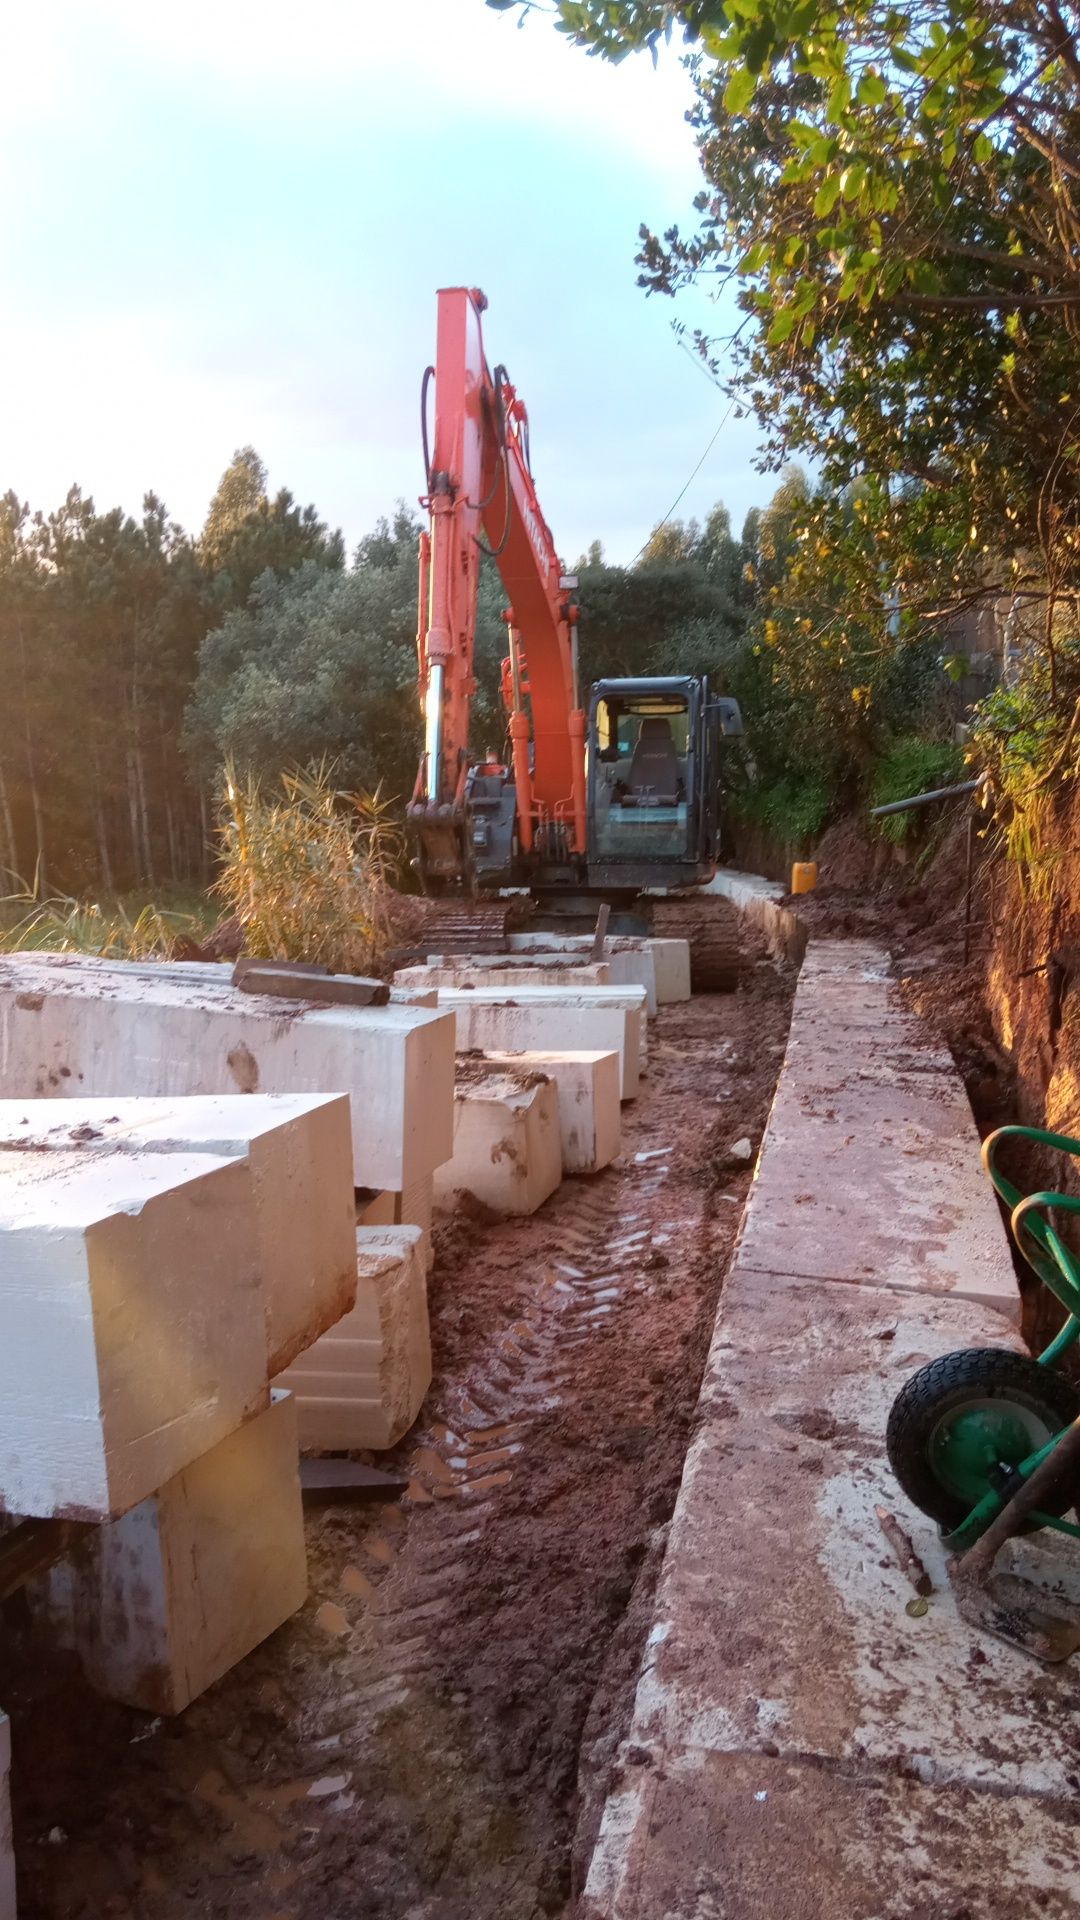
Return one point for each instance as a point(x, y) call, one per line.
point(144, 812)
point(170, 829)
point(204, 823)
point(40, 870)
point(133, 818)
point(9, 852)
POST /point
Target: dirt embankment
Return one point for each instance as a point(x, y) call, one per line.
point(431, 1737)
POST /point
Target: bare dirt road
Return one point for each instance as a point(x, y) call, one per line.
point(431, 1738)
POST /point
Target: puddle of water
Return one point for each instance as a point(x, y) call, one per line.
point(490, 1436)
point(425, 1460)
point(486, 1481)
point(494, 1457)
point(358, 1584)
point(378, 1549)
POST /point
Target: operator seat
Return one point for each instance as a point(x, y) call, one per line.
point(654, 767)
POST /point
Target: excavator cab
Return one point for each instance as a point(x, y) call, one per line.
point(653, 751)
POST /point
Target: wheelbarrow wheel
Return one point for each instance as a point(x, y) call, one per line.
point(957, 1419)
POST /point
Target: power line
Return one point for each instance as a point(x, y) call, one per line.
point(685, 488)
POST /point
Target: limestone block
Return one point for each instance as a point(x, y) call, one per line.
point(549, 1019)
point(300, 1151)
point(590, 1122)
point(508, 970)
point(413, 996)
point(8, 1909)
point(376, 1209)
point(132, 1332)
point(507, 1142)
point(671, 959)
point(415, 1208)
point(363, 1383)
point(630, 962)
point(68, 1026)
point(409, 1209)
point(160, 1604)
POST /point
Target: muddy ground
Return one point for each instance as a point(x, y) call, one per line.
point(430, 1739)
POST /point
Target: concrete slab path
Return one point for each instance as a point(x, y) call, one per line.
point(800, 1743)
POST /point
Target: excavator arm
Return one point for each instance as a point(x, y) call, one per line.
point(481, 496)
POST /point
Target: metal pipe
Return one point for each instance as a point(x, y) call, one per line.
point(925, 799)
point(433, 719)
point(969, 866)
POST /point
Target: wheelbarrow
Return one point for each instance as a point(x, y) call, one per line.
point(987, 1441)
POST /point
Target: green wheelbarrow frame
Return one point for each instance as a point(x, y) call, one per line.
point(1051, 1261)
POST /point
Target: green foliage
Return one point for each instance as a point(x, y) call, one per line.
point(30, 921)
point(101, 620)
point(1026, 743)
point(908, 767)
point(792, 810)
point(894, 194)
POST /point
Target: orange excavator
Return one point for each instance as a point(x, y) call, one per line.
point(616, 803)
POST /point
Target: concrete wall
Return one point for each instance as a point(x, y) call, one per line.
point(786, 1700)
point(759, 904)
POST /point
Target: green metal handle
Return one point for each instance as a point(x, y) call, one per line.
point(1043, 1249)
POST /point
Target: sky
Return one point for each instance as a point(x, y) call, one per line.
point(225, 222)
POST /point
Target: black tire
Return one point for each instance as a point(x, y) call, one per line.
point(946, 1386)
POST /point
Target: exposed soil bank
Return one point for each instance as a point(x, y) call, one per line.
point(431, 1738)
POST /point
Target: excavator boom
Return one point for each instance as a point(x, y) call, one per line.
point(481, 496)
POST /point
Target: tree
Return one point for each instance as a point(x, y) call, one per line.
point(241, 491)
point(894, 191)
point(322, 664)
point(247, 533)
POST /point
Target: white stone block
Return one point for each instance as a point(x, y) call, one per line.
point(300, 1150)
point(71, 1027)
point(132, 1332)
point(409, 1209)
point(413, 997)
point(8, 1910)
point(415, 1208)
point(630, 962)
point(160, 1604)
point(507, 1144)
point(363, 1383)
point(491, 970)
point(377, 1209)
point(551, 1019)
point(671, 959)
point(590, 1121)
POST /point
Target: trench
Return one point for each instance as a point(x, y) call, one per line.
point(431, 1738)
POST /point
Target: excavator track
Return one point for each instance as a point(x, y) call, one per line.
point(456, 926)
point(711, 926)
